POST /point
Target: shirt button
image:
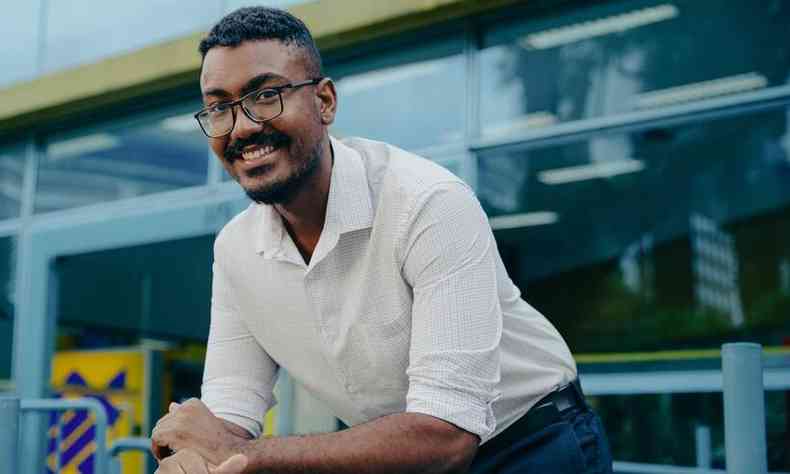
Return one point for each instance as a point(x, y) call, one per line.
point(350, 388)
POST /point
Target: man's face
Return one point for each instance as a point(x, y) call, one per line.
point(274, 159)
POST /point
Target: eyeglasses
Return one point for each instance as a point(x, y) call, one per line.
point(259, 106)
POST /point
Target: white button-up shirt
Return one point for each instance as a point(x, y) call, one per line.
point(404, 306)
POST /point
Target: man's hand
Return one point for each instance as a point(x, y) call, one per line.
point(187, 461)
point(192, 426)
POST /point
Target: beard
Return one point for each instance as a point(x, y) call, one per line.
point(283, 191)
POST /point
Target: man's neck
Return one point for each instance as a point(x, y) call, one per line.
point(305, 214)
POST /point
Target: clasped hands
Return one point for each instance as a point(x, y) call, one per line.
point(189, 439)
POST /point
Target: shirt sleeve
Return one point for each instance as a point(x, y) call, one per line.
point(239, 376)
point(454, 359)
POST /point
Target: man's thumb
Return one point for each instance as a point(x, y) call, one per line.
point(233, 465)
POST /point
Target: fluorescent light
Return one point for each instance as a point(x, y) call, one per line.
point(601, 27)
point(180, 123)
point(521, 124)
point(81, 146)
point(701, 90)
point(384, 77)
point(529, 219)
point(605, 169)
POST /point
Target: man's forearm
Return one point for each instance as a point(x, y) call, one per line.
point(398, 444)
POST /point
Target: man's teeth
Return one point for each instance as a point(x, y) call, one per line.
point(257, 153)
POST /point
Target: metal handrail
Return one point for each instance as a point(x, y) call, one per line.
point(126, 444)
point(58, 404)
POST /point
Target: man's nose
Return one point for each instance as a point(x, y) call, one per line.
point(243, 127)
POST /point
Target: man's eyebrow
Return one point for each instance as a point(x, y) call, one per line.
point(253, 84)
point(221, 93)
point(256, 82)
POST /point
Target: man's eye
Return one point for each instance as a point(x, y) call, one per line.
point(219, 109)
point(266, 95)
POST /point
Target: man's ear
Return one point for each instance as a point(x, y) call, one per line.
point(327, 100)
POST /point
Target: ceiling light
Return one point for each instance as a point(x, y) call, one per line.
point(701, 90)
point(605, 169)
point(81, 146)
point(529, 219)
point(601, 27)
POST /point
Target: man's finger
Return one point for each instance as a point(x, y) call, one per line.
point(173, 407)
point(233, 465)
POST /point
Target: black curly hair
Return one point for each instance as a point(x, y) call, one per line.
point(264, 23)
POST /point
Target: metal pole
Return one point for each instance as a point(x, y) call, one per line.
point(744, 408)
point(285, 415)
point(702, 438)
point(9, 434)
point(100, 458)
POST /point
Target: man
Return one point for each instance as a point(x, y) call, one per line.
point(373, 277)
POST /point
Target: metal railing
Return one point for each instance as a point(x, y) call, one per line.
point(744, 420)
point(126, 444)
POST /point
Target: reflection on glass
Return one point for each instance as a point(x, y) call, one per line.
point(665, 238)
point(7, 298)
point(84, 31)
point(20, 27)
point(417, 103)
point(157, 155)
point(628, 56)
point(12, 167)
point(680, 426)
point(114, 297)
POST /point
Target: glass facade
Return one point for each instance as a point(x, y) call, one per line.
point(149, 155)
point(385, 99)
point(628, 56)
point(7, 302)
point(669, 237)
point(12, 170)
point(115, 297)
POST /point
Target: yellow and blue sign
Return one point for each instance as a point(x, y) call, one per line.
point(115, 379)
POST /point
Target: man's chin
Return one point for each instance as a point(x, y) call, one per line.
point(274, 193)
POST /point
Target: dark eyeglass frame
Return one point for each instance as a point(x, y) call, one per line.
point(240, 101)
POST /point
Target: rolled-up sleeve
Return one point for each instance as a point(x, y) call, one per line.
point(239, 376)
point(449, 261)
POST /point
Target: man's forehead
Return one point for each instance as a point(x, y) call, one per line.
point(231, 66)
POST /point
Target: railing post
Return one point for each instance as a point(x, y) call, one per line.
point(702, 442)
point(744, 408)
point(9, 434)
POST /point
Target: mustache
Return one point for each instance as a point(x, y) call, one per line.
point(274, 139)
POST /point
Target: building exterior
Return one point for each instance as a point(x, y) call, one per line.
point(633, 157)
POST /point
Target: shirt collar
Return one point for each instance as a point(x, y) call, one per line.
point(349, 205)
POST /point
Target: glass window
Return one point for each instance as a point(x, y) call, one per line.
point(413, 100)
point(7, 299)
point(663, 238)
point(20, 27)
point(151, 155)
point(84, 31)
point(629, 56)
point(114, 297)
point(12, 170)
point(679, 424)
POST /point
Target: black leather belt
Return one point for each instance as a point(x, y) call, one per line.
point(547, 411)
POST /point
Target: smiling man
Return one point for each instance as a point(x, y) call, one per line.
point(373, 277)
